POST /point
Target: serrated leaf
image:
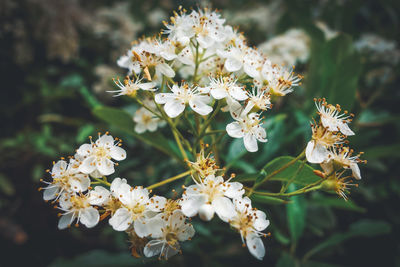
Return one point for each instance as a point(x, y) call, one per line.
point(304, 176)
point(296, 215)
point(123, 121)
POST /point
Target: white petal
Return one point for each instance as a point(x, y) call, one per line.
point(118, 153)
point(235, 130)
point(153, 248)
point(345, 129)
point(140, 128)
point(238, 93)
point(234, 190)
point(206, 212)
point(105, 166)
point(50, 192)
point(166, 70)
point(84, 150)
point(115, 186)
point(232, 64)
point(121, 219)
point(190, 206)
point(79, 182)
point(90, 217)
point(87, 165)
point(157, 203)
point(163, 98)
point(224, 208)
point(355, 170)
point(147, 86)
point(59, 168)
point(218, 93)
point(199, 106)
point(105, 140)
point(174, 107)
point(65, 220)
point(185, 232)
point(99, 196)
point(250, 142)
point(255, 246)
point(261, 222)
point(316, 153)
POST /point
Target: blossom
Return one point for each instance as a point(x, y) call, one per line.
point(321, 141)
point(343, 157)
point(167, 234)
point(211, 195)
point(147, 120)
point(250, 222)
point(331, 117)
point(283, 80)
point(259, 98)
point(223, 87)
point(129, 87)
point(137, 208)
point(249, 128)
point(204, 165)
point(77, 207)
point(98, 155)
point(66, 178)
point(100, 196)
point(176, 101)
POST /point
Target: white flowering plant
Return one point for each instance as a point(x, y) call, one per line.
point(197, 75)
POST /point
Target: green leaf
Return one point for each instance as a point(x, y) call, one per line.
point(296, 215)
point(334, 71)
point(268, 200)
point(247, 177)
point(305, 176)
point(6, 186)
point(336, 202)
point(363, 228)
point(124, 122)
point(382, 152)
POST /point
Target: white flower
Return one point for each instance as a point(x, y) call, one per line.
point(146, 120)
point(332, 119)
point(176, 101)
point(211, 195)
point(77, 207)
point(129, 87)
point(322, 140)
point(224, 87)
point(282, 80)
point(136, 208)
point(259, 98)
point(98, 155)
point(250, 222)
point(249, 128)
point(342, 156)
point(167, 234)
point(66, 178)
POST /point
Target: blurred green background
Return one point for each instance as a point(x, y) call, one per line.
point(57, 59)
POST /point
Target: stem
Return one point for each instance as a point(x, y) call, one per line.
point(169, 180)
point(196, 68)
point(178, 142)
point(284, 167)
point(202, 131)
point(294, 193)
point(101, 181)
point(284, 188)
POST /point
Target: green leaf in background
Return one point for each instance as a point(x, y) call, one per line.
point(303, 177)
point(382, 152)
point(6, 186)
point(123, 121)
point(334, 71)
point(296, 215)
point(286, 260)
point(363, 228)
point(335, 202)
point(268, 200)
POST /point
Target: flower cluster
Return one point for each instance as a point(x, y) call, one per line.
point(218, 66)
point(155, 224)
point(328, 147)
